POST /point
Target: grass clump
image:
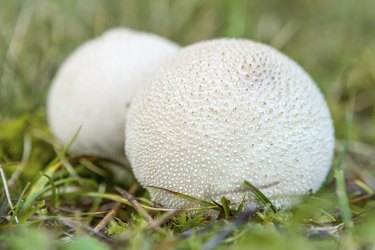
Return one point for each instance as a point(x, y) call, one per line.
point(61, 202)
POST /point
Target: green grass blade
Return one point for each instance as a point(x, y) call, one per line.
point(201, 202)
point(32, 211)
point(31, 198)
point(364, 187)
point(343, 199)
point(66, 149)
point(124, 201)
point(42, 181)
point(225, 204)
point(7, 194)
point(20, 202)
point(339, 176)
point(260, 196)
point(53, 189)
point(342, 196)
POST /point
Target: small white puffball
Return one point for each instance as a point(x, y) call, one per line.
point(224, 111)
point(95, 85)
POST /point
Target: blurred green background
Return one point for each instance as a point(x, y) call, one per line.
point(334, 40)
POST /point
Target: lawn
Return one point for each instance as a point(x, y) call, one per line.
point(62, 202)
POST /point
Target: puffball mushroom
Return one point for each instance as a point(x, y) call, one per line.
point(95, 85)
point(224, 111)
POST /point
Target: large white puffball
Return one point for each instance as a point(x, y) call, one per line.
point(95, 85)
point(224, 111)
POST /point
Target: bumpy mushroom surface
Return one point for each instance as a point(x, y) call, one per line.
point(224, 111)
point(95, 85)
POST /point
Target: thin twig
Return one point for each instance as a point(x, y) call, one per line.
point(109, 216)
point(141, 211)
point(73, 224)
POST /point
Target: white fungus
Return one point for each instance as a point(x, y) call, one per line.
point(224, 111)
point(95, 85)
